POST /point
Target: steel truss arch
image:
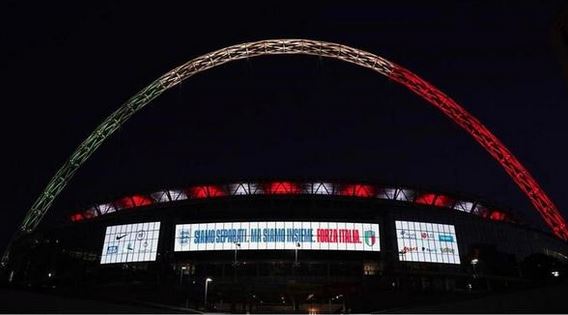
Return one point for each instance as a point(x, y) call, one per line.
point(449, 107)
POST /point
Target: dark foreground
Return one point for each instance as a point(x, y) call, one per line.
point(551, 299)
point(22, 301)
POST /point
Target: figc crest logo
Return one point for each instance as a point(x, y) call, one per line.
point(370, 237)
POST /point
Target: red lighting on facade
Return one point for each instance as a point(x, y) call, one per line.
point(358, 190)
point(282, 188)
point(443, 201)
point(434, 200)
point(207, 191)
point(77, 217)
point(497, 215)
point(198, 192)
point(426, 199)
point(134, 201)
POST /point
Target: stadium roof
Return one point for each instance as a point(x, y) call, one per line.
point(297, 188)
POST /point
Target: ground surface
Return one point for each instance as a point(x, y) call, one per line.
point(543, 300)
point(21, 301)
point(552, 299)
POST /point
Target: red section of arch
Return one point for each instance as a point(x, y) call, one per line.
point(490, 143)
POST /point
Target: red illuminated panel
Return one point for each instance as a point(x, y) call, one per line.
point(282, 188)
point(443, 201)
point(358, 190)
point(216, 191)
point(77, 217)
point(497, 215)
point(434, 200)
point(198, 192)
point(426, 199)
point(207, 191)
point(134, 201)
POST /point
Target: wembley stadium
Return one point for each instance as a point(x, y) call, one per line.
point(290, 245)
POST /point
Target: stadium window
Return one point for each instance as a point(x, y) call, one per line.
point(370, 268)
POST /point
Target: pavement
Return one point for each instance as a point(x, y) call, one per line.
point(23, 301)
point(551, 299)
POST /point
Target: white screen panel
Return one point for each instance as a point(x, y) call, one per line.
point(130, 243)
point(427, 242)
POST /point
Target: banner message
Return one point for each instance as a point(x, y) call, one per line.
point(277, 236)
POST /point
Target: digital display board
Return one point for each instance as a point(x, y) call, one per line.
point(277, 236)
point(427, 242)
point(131, 243)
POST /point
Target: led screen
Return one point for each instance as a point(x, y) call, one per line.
point(131, 243)
point(277, 236)
point(427, 242)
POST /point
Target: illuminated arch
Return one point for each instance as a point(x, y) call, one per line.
point(449, 107)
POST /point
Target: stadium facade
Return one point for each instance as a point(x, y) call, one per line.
point(289, 246)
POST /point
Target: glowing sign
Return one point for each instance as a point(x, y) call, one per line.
point(277, 236)
point(130, 243)
point(427, 242)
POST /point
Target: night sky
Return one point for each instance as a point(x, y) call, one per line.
point(66, 66)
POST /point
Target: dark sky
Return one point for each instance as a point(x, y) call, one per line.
point(66, 66)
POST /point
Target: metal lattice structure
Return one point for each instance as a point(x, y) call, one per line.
point(449, 107)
